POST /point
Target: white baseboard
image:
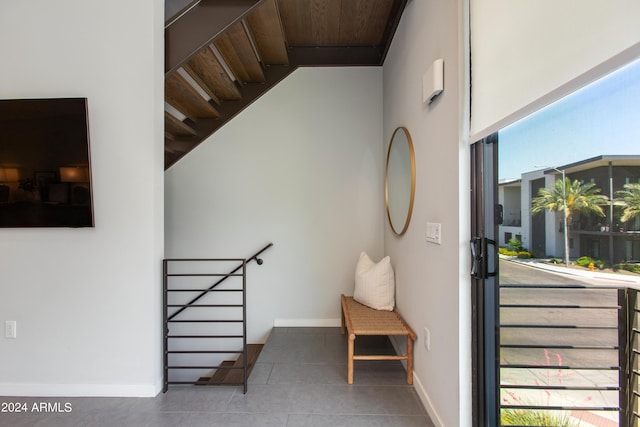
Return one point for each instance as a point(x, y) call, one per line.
point(81, 390)
point(426, 401)
point(306, 323)
point(417, 384)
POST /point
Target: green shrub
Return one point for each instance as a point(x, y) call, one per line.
point(554, 260)
point(525, 255)
point(534, 417)
point(634, 268)
point(584, 261)
point(515, 244)
point(507, 252)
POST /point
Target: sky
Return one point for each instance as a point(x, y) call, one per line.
point(600, 119)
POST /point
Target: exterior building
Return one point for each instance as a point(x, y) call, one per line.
point(606, 238)
point(509, 196)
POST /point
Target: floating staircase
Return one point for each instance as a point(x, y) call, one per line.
point(220, 56)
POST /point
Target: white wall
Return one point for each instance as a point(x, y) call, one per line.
point(511, 205)
point(86, 301)
point(429, 283)
point(302, 167)
point(529, 53)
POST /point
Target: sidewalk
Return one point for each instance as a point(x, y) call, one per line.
point(582, 418)
point(620, 280)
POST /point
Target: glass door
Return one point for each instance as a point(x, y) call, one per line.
point(484, 270)
point(555, 232)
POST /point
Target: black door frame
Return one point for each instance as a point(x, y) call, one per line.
point(485, 217)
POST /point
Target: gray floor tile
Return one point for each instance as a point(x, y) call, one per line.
point(260, 373)
point(371, 400)
point(299, 380)
point(193, 419)
point(207, 399)
point(310, 331)
point(34, 419)
point(302, 348)
point(382, 373)
point(280, 398)
point(315, 420)
point(308, 373)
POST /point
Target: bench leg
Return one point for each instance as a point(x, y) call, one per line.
point(409, 360)
point(352, 339)
point(342, 320)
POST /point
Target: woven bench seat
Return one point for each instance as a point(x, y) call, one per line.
point(362, 320)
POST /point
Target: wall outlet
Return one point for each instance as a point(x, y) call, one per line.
point(427, 339)
point(10, 329)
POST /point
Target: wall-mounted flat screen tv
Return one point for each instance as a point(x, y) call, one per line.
point(45, 169)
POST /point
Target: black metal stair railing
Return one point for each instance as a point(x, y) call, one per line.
point(203, 322)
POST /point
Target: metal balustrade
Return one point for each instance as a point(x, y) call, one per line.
point(563, 351)
point(632, 413)
point(205, 324)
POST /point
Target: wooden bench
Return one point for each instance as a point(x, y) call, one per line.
point(362, 320)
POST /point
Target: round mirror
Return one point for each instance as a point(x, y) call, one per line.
point(400, 180)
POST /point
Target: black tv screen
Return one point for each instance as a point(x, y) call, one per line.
point(45, 173)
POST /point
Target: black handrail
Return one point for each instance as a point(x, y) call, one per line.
point(254, 257)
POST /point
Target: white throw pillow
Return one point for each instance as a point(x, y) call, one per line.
point(375, 283)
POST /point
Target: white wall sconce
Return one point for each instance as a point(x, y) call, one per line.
point(433, 81)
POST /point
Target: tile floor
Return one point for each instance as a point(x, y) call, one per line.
point(299, 381)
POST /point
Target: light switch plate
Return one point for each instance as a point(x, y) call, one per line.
point(427, 339)
point(10, 329)
point(434, 232)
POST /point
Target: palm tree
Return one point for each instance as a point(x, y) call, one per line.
point(629, 198)
point(577, 197)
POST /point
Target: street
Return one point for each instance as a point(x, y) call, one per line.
point(515, 273)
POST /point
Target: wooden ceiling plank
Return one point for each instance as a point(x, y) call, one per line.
point(311, 22)
point(325, 21)
point(236, 49)
point(335, 22)
point(184, 98)
point(213, 75)
point(363, 22)
point(175, 127)
point(268, 34)
point(296, 21)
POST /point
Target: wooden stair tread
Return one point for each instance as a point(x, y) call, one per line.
point(236, 49)
point(224, 375)
point(184, 98)
point(235, 375)
point(221, 374)
point(207, 67)
point(267, 31)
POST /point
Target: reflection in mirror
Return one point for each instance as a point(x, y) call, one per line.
point(400, 180)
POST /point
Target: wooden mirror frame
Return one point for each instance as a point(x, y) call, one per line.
point(408, 165)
